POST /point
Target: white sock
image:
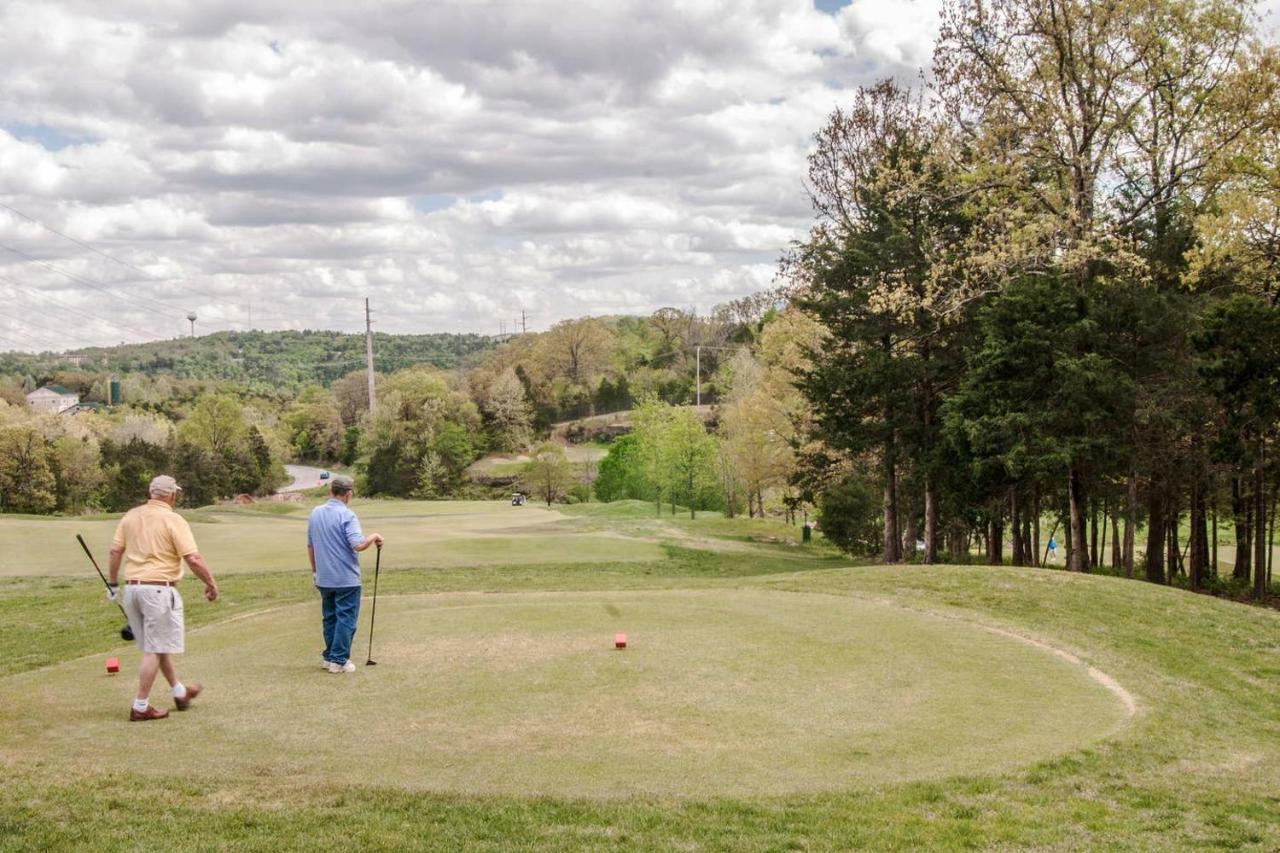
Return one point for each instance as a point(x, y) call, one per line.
point(140, 705)
point(179, 691)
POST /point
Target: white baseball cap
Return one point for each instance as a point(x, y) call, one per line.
point(164, 485)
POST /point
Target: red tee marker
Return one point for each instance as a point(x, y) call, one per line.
point(113, 666)
point(619, 641)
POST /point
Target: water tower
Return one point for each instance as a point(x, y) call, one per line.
point(192, 318)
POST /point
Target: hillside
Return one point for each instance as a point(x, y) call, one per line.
point(287, 359)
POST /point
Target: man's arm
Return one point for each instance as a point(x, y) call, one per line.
point(311, 555)
point(201, 570)
point(113, 563)
point(355, 536)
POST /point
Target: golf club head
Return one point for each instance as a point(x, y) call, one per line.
point(371, 662)
point(126, 633)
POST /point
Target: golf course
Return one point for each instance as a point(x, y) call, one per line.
point(771, 695)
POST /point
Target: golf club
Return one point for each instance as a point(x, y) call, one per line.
point(126, 633)
point(377, 568)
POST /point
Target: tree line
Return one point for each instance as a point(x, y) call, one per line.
point(1048, 287)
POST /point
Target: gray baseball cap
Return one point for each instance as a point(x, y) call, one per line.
point(341, 483)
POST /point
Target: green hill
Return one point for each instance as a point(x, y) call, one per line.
point(278, 359)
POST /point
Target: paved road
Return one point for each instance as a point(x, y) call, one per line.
point(304, 477)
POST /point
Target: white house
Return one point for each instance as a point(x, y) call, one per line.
point(52, 398)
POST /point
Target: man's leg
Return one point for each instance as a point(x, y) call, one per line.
point(147, 675)
point(347, 607)
point(328, 621)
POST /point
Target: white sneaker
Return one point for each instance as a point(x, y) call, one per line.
point(338, 669)
point(324, 664)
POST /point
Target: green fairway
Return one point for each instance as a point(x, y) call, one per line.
point(272, 537)
point(720, 692)
point(771, 698)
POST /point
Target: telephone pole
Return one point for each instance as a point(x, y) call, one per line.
point(368, 350)
point(524, 322)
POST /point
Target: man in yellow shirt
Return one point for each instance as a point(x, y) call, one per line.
point(153, 541)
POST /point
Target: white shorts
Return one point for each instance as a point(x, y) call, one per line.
point(155, 615)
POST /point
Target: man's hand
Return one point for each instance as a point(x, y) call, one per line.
point(113, 594)
point(211, 590)
point(376, 539)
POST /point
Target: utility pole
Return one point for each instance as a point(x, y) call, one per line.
point(524, 322)
point(368, 350)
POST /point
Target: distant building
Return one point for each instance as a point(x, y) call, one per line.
point(52, 398)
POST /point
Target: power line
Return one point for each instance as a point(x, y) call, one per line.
point(149, 334)
point(162, 310)
point(95, 250)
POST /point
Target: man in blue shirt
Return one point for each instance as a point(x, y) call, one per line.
point(333, 540)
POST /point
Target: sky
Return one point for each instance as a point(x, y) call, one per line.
point(270, 164)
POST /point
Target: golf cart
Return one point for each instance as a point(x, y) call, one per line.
point(517, 498)
point(324, 475)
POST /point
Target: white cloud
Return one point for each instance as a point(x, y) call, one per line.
point(455, 161)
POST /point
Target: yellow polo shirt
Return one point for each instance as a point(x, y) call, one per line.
point(155, 539)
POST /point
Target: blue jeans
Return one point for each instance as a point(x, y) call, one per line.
point(339, 609)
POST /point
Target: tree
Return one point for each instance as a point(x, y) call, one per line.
point(578, 350)
point(1087, 117)
point(689, 455)
point(649, 423)
point(351, 393)
point(509, 412)
point(876, 272)
point(77, 469)
point(129, 468)
point(26, 479)
point(313, 425)
point(420, 438)
point(216, 424)
point(1238, 345)
point(549, 474)
point(621, 473)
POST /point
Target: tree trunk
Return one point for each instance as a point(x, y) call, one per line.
point(1015, 526)
point(1196, 571)
point(1213, 523)
point(995, 541)
point(1117, 558)
point(1102, 545)
point(1037, 555)
point(1077, 556)
point(1271, 535)
point(1155, 536)
point(1175, 553)
point(930, 520)
point(909, 536)
point(892, 541)
point(1093, 534)
point(1259, 524)
point(1240, 510)
point(1130, 523)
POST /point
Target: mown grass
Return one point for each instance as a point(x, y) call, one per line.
point(1198, 768)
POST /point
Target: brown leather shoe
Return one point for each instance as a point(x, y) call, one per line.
point(152, 713)
point(193, 690)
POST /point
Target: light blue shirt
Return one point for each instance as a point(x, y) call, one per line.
point(333, 532)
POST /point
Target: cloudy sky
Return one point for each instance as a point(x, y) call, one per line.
point(270, 163)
